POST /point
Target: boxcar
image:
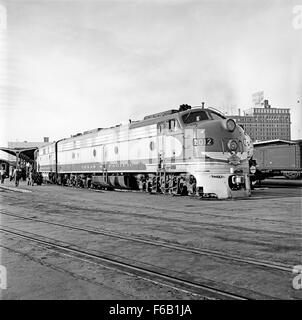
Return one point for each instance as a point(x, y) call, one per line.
point(279, 157)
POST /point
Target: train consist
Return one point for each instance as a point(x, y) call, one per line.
point(278, 158)
point(195, 151)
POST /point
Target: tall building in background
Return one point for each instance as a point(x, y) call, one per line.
point(265, 123)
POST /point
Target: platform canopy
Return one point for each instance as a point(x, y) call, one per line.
point(26, 154)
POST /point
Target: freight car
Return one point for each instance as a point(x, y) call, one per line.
point(186, 151)
point(279, 157)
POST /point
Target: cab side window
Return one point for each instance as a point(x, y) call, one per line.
point(173, 125)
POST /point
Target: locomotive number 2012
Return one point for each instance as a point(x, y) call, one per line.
point(203, 141)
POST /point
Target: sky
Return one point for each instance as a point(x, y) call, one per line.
point(70, 66)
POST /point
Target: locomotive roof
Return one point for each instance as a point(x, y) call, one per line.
point(149, 120)
point(163, 116)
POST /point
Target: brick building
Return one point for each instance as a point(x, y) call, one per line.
point(265, 123)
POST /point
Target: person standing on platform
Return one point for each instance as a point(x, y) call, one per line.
point(2, 175)
point(31, 181)
point(16, 176)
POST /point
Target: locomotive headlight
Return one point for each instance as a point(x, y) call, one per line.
point(231, 125)
point(232, 145)
point(252, 169)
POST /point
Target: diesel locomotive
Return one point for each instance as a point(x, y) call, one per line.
point(195, 151)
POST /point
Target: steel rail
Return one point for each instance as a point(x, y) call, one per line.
point(196, 288)
point(208, 252)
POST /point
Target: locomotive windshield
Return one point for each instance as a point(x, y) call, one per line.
point(195, 116)
point(217, 116)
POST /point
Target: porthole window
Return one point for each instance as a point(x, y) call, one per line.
point(152, 145)
point(116, 150)
point(94, 152)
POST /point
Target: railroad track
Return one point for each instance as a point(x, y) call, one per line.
point(141, 207)
point(177, 283)
point(207, 252)
point(176, 220)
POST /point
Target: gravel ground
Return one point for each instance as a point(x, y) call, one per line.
point(266, 226)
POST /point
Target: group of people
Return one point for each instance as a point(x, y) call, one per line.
point(17, 173)
point(31, 177)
